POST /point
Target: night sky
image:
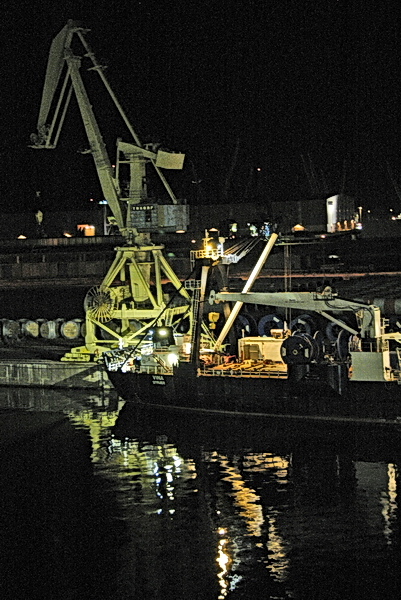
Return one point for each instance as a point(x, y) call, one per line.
point(283, 86)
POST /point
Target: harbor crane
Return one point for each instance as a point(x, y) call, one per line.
point(130, 298)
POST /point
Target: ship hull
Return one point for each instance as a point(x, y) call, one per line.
point(303, 399)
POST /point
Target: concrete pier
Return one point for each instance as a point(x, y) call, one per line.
point(53, 374)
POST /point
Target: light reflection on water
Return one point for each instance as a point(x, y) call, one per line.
point(219, 510)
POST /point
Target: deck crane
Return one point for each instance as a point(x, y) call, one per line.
point(130, 298)
point(366, 348)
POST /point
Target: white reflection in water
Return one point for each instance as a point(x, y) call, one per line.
point(389, 502)
point(254, 526)
point(223, 560)
point(378, 483)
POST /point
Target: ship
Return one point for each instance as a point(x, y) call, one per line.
point(288, 374)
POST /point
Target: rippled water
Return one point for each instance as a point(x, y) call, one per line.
point(100, 500)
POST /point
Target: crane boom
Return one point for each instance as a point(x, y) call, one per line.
point(51, 119)
point(97, 145)
point(324, 304)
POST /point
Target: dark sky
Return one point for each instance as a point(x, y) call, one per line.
point(287, 82)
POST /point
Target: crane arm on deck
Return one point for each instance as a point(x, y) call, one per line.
point(368, 315)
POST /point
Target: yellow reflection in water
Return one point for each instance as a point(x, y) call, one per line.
point(157, 465)
point(278, 563)
point(250, 506)
point(98, 423)
point(246, 499)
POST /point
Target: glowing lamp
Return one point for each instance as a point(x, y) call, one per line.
point(172, 359)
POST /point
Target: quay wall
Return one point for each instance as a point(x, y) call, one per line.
point(53, 374)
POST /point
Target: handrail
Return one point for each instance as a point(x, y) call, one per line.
point(243, 373)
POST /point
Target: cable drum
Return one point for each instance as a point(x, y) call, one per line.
point(333, 330)
point(314, 344)
point(303, 323)
point(113, 325)
point(49, 330)
point(184, 326)
point(11, 331)
point(253, 328)
point(342, 344)
point(315, 348)
point(394, 324)
point(245, 323)
point(318, 337)
point(135, 325)
point(71, 330)
point(269, 322)
point(100, 303)
point(29, 328)
point(297, 349)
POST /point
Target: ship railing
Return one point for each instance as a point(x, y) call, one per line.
point(213, 254)
point(148, 369)
point(115, 360)
point(240, 372)
point(156, 370)
point(368, 346)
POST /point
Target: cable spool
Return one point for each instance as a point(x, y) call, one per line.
point(394, 324)
point(246, 323)
point(333, 330)
point(342, 344)
point(71, 330)
point(297, 349)
point(135, 325)
point(318, 336)
point(49, 330)
point(269, 322)
point(29, 328)
point(114, 325)
point(303, 323)
point(252, 323)
point(314, 346)
point(11, 331)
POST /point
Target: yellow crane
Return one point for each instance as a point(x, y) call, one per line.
point(130, 299)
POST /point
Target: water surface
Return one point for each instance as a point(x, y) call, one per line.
point(101, 500)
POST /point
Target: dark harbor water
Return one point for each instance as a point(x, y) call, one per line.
point(101, 500)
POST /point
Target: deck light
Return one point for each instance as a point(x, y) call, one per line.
point(172, 359)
